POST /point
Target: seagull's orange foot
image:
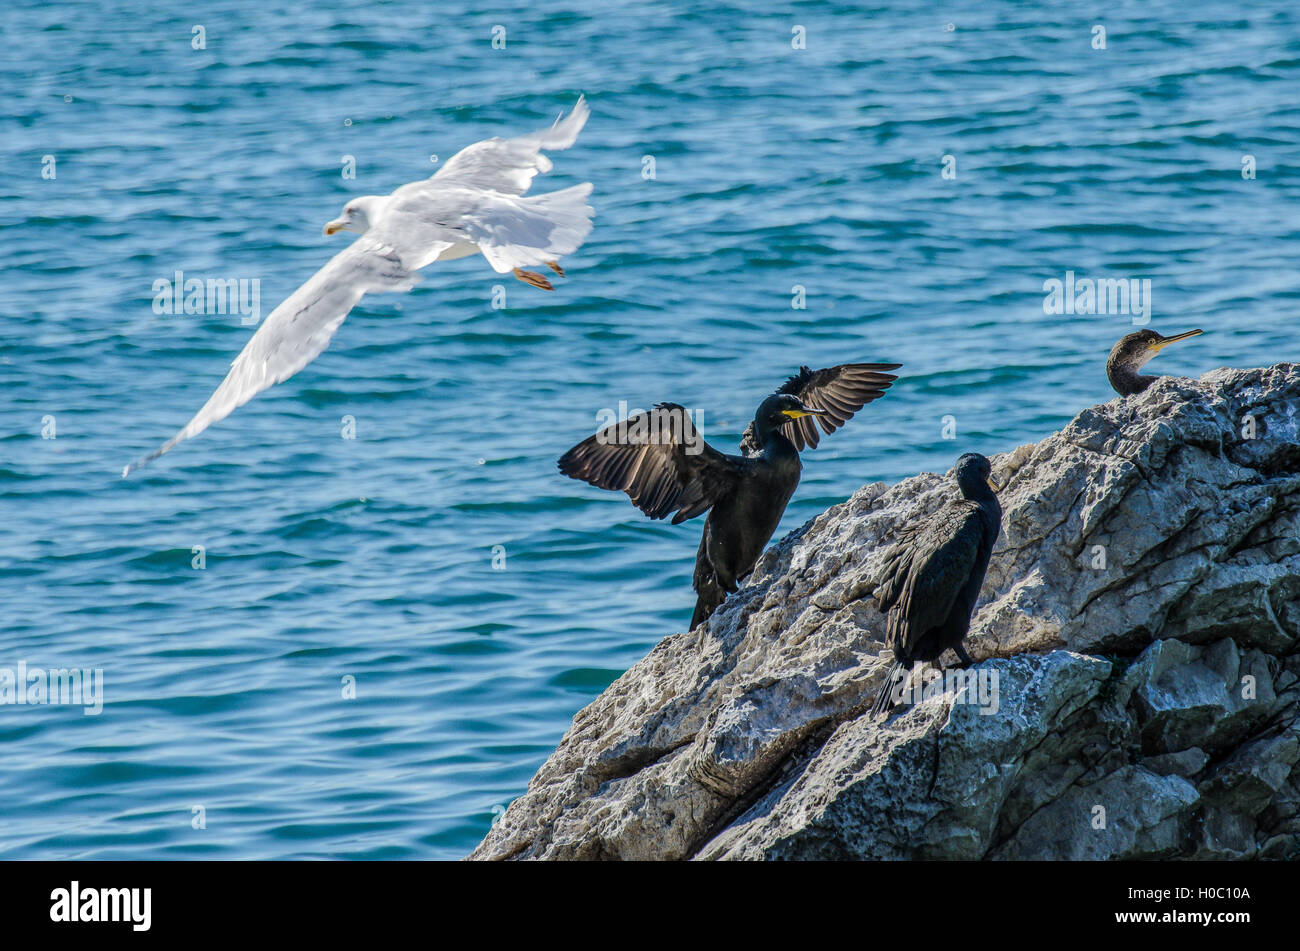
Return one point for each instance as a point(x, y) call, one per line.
point(555, 266)
point(533, 278)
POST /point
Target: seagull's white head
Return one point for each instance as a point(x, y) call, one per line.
point(358, 215)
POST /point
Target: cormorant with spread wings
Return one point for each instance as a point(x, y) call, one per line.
point(665, 468)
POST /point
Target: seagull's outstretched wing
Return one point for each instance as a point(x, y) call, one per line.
point(298, 331)
point(478, 197)
point(508, 165)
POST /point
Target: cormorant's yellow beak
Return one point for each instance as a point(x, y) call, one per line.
point(337, 224)
point(1161, 344)
point(993, 485)
point(798, 413)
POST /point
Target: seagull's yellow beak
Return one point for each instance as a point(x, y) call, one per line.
point(335, 226)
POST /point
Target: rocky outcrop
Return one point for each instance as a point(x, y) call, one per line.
point(1138, 630)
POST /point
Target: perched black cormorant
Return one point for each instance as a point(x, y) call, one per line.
point(1131, 354)
point(932, 576)
point(665, 467)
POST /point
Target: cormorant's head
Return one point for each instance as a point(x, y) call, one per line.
point(973, 473)
point(780, 408)
point(1134, 350)
point(356, 215)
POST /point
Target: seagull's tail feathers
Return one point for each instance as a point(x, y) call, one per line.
point(569, 214)
point(540, 229)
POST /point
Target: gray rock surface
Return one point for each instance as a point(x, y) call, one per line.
point(1140, 620)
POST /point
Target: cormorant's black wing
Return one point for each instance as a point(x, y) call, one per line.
point(841, 391)
point(925, 571)
point(650, 457)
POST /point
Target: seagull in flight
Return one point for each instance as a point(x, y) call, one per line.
point(474, 204)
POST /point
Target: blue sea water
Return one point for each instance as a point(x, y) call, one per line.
point(370, 560)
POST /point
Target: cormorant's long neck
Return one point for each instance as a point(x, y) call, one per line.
point(771, 438)
point(982, 495)
point(1126, 380)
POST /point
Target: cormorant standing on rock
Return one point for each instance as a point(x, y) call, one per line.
point(664, 466)
point(1131, 354)
point(933, 575)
